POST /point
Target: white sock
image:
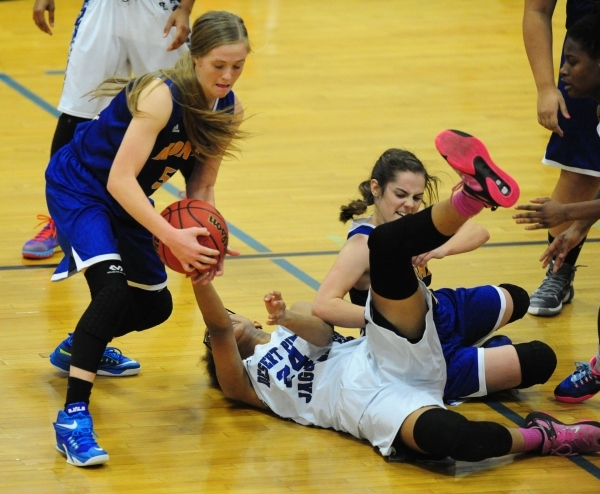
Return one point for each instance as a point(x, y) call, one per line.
point(597, 364)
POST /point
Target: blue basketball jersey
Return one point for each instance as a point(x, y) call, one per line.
point(92, 226)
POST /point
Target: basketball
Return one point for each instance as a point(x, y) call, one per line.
point(188, 213)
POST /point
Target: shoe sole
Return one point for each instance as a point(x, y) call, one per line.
point(127, 372)
point(549, 312)
point(96, 460)
point(570, 399)
point(468, 156)
point(38, 255)
point(544, 311)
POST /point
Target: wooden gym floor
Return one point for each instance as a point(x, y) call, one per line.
point(330, 86)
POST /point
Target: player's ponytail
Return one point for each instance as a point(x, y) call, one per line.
point(389, 164)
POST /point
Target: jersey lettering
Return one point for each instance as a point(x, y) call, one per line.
point(166, 175)
point(178, 149)
point(269, 359)
point(296, 365)
point(263, 375)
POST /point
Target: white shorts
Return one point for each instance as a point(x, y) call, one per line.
point(412, 376)
point(114, 38)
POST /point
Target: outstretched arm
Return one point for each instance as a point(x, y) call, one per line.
point(547, 213)
point(231, 373)
point(469, 237)
point(299, 320)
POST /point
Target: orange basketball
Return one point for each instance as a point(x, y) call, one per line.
point(189, 213)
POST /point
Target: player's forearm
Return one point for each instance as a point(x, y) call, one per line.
point(128, 193)
point(537, 37)
point(469, 237)
point(187, 5)
point(212, 309)
point(308, 327)
point(588, 212)
point(339, 312)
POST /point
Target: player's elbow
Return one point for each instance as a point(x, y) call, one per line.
point(320, 309)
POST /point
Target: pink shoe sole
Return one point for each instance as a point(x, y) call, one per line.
point(568, 399)
point(471, 160)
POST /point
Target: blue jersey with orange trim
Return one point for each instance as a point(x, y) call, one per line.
point(96, 142)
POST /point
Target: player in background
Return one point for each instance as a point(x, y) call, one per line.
point(580, 75)
point(183, 118)
point(574, 146)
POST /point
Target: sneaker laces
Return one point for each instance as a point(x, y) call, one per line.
point(571, 441)
point(49, 231)
point(553, 283)
point(85, 436)
point(112, 355)
point(583, 372)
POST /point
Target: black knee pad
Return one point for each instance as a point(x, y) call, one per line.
point(111, 297)
point(520, 300)
point(446, 433)
point(391, 248)
point(147, 309)
point(105, 312)
point(538, 362)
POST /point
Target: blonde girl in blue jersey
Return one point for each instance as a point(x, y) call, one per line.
point(98, 189)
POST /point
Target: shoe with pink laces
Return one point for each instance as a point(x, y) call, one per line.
point(561, 439)
point(482, 179)
point(44, 243)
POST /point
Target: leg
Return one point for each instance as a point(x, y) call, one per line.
point(74, 426)
point(557, 288)
point(394, 288)
point(44, 244)
point(65, 130)
point(443, 432)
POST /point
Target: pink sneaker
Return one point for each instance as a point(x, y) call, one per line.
point(565, 439)
point(482, 179)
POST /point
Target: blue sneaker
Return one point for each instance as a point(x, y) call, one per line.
point(113, 363)
point(43, 245)
point(75, 437)
point(581, 385)
point(496, 341)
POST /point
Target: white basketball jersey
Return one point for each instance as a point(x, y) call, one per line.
point(366, 387)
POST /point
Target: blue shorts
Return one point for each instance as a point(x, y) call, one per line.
point(578, 150)
point(93, 227)
point(463, 317)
